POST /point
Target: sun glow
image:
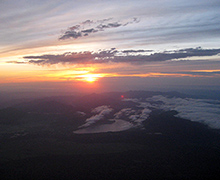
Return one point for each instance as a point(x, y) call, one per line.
point(89, 77)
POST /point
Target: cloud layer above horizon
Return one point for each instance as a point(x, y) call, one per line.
point(58, 41)
point(113, 55)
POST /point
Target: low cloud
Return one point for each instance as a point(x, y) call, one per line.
point(205, 111)
point(89, 26)
point(199, 110)
point(139, 115)
point(124, 112)
point(113, 55)
point(102, 111)
point(117, 126)
point(143, 116)
point(136, 116)
point(81, 113)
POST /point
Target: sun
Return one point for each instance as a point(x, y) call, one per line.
point(90, 79)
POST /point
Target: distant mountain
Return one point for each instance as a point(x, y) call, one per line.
point(45, 106)
point(133, 107)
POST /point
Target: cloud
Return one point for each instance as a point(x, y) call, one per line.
point(117, 126)
point(199, 110)
point(102, 111)
point(135, 100)
point(136, 116)
point(81, 113)
point(136, 51)
point(205, 111)
point(72, 34)
point(66, 58)
point(84, 28)
point(141, 117)
point(116, 56)
point(197, 73)
point(124, 112)
point(144, 115)
point(182, 53)
point(16, 62)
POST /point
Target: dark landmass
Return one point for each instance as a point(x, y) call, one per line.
point(37, 142)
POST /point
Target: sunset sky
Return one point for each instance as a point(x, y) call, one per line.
point(108, 45)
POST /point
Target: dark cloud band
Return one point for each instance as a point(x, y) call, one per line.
point(116, 56)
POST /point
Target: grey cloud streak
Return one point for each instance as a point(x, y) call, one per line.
point(84, 28)
point(116, 56)
point(203, 73)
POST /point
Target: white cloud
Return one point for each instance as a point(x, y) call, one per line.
point(141, 117)
point(116, 126)
point(138, 117)
point(134, 117)
point(125, 111)
point(81, 113)
point(102, 110)
point(145, 105)
point(131, 99)
point(200, 110)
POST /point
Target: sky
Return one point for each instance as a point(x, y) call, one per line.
point(108, 45)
